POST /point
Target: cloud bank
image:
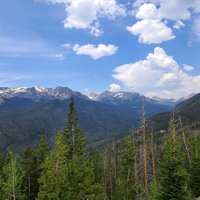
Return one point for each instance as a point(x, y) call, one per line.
point(159, 74)
point(153, 17)
point(85, 14)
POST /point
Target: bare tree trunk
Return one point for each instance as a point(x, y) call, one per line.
point(144, 148)
point(13, 180)
point(153, 155)
point(144, 151)
point(114, 159)
point(184, 141)
point(29, 187)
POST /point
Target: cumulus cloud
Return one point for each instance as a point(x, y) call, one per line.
point(95, 52)
point(85, 14)
point(159, 74)
point(188, 68)
point(153, 15)
point(147, 11)
point(150, 28)
point(151, 31)
point(115, 87)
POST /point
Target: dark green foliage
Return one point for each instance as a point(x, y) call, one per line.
point(42, 151)
point(31, 174)
point(72, 134)
point(194, 170)
point(126, 184)
point(69, 172)
point(189, 110)
point(2, 161)
point(11, 179)
point(52, 182)
point(66, 172)
point(24, 120)
point(174, 177)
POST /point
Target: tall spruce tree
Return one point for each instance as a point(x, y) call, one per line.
point(53, 184)
point(126, 185)
point(11, 179)
point(73, 136)
point(194, 169)
point(42, 151)
point(30, 168)
point(2, 163)
point(67, 174)
point(173, 175)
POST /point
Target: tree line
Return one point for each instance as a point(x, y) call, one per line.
point(145, 165)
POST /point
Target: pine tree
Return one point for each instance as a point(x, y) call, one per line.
point(11, 179)
point(67, 174)
point(30, 168)
point(52, 181)
point(42, 151)
point(194, 170)
point(73, 136)
point(126, 185)
point(2, 163)
point(174, 178)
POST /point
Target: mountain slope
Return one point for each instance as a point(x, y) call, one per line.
point(28, 113)
point(131, 100)
point(189, 110)
point(23, 121)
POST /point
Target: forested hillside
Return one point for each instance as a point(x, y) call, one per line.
point(29, 113)
point(188, 110)
point(144, 165)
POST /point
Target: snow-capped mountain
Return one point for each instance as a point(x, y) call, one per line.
point(131, 99)
point(27, 113)
point(168, 102)
point(39, 93)
point(117, 98)
point(128, 98)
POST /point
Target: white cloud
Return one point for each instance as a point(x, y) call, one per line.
point(153, 15)
point(67, 45)
point(159, 74)
point(150, 28)
point(95, 52)
point(188, 67)
point(178, 24)
point(115, 87)
point(147, 11)
point(96, 30)
point(151, 31)
point(85, 14)
point(175, 9)
point(81, 14)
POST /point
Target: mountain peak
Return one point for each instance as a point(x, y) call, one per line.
point(37, 93)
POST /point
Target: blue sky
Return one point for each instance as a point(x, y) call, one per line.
point(151, 47)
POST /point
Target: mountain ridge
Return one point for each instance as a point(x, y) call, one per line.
point(28, 113)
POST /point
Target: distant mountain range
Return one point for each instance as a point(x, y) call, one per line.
point(27, 113)
point(188, 109)
point(39, 93)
